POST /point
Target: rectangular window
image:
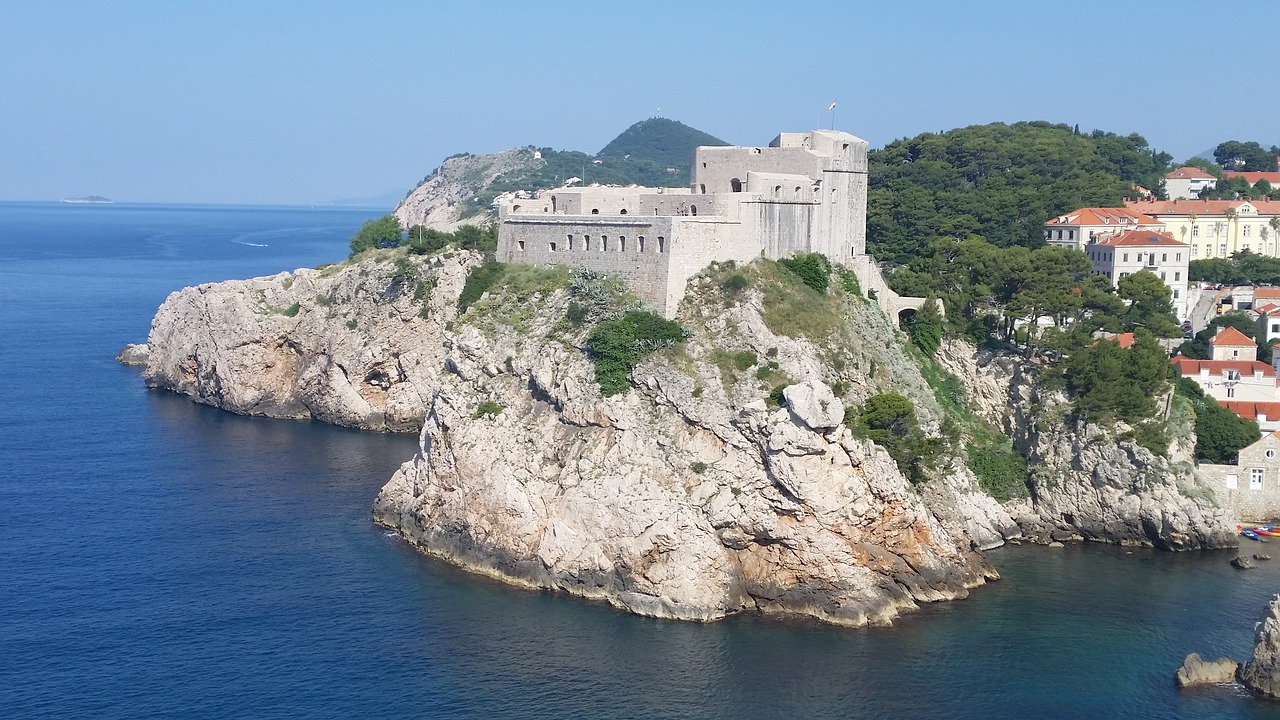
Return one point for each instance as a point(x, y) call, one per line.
point(1231, 391)
point(640, 243)
point(1177, 276)
point(1275, 328)
point(622, 243)
point(1232, 482)
point(1162, 275)
point(1125, 256)
point(1246, 230)
point(1255, 478)
point(1194, 249)
point(1177, 258)
point(1222, 249)
point(1164, 257)
point(662, 244)
point(570, 245)
point(1195, 231)
point(586, 242)
point(1175, 294)
point(604, 243)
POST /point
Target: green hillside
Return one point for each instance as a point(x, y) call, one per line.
point(654, 153)
point(999, 182)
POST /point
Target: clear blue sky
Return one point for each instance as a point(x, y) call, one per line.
point(293, 102)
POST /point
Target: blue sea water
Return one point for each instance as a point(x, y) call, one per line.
point(164, 559)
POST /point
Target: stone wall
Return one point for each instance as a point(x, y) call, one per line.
point(1251, 487)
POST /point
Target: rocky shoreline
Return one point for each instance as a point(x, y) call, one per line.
point(687, 497)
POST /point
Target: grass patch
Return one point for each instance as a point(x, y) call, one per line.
point(794, 309)
point(1002, 473)
point(487, 407)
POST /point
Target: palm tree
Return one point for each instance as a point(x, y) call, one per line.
point(1234, 219)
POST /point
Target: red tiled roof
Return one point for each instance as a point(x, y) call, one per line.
point(1246, 368)
point(1125, 339)
point(1141, 237)
point(1270, 293)
point(1231, 337)
point(1253, 177)
point(1199, 207)
point(1265, 308)
point(1103, 216)
point(1251, 410)
point(1188, 173)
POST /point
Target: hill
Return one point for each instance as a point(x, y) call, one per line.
point(654, 152)
point(999, 182)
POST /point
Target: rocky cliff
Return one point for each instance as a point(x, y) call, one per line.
point(1261, 673)
point(689, 496)
point(446, 198)
point(1088, 482)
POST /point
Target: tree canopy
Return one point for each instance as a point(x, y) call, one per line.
point(1246, 156)
point(1000, 182)
point(384, 232)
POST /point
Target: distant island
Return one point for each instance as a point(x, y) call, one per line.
point(89, 200)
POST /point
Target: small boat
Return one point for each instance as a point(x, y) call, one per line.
point(1250, 534)
point(1267, 531)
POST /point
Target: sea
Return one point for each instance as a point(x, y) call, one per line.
point(163, 559)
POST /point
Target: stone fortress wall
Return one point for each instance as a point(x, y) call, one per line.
point(805, 192)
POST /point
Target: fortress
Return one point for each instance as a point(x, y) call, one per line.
point(805, 192)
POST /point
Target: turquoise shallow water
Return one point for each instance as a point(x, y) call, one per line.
point(163, 559)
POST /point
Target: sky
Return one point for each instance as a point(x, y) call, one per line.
point(308, 102)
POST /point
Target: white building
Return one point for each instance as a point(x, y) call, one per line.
point(1233, 374)
point(1131, 251)
point(1218, 228)
point(1185, 183)
point(1251, 487)
point(1078, 228)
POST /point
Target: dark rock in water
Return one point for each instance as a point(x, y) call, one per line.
point(1261, 673)
point(1061, 535)
point(1261, 556)
point(1242, 562)
point(1195, 671)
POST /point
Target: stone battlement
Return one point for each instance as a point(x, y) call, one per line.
point(804, 192)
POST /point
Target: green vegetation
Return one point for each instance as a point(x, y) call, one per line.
point(653, 153)
point(384, 232)
point(792, 307)
point(1001, 471)
point(813, 269)
point(925, 327)
point(487, 407)
point(1220, 433)
point(1246, 156)
point(1243, 268)
point(426, 241)
point(616, 346)
point(889, 420)
point(698, 466)
point(744, 360)
point(1113, 383)
point(1197, 348)
point(479, 280)
point(997, 182)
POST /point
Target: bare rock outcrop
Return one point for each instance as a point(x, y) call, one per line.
point(1261, 673)
point(358, 345)
point(1087, 482)
point(1195, 671)
point(446, 198)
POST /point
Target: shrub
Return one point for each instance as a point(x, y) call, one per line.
point(776, 398)
point(889, 420)
point(849, 283)
point(1001, 471)
point(576, 313)
point(813, 269)
point(487, 407)
point(617, 346)
point(735, 283)
point(385, 232)
point(479, 280)
point(698, 466)
point(744, 360)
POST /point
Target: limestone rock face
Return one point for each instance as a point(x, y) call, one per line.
point(1086, 482)
point(133, 355)
point(443, 198)
point(1195, 671)
point(1261, 673)
point(359, 345)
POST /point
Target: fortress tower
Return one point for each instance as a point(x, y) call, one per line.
point(804, 192)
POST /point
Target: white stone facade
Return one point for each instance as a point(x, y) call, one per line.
point(1251, 487)
point(805, 192)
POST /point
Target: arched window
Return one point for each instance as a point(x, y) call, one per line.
point(515, 208)
point(595, 211)
point(520, 244)
point(604, 243)
point(702, 188)
point(662, 244)
point(553, 203)
point(693, 209)
point(570, 247)
point(640, 244)
point(622, 243)
point(586, 242)
point(553, 246)
point(623, 211)
point(735, 185)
